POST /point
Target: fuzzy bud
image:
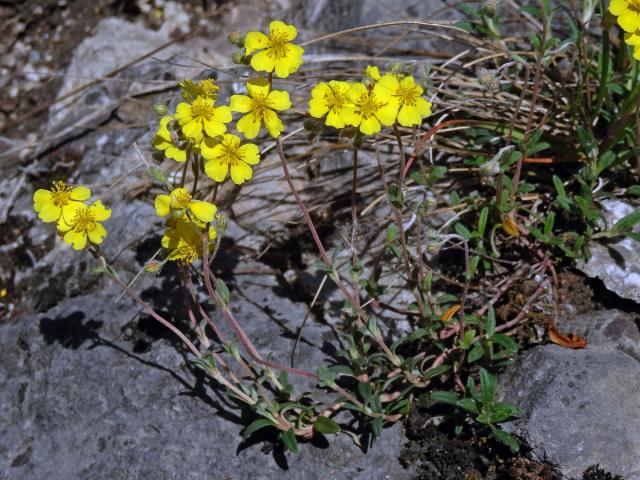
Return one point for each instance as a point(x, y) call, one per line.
point(237, 39)
point(433, 247)
point(490, 168)
point(239, 58)
point(153, 266)
point(490, 7)
point(160, 108)
point(488, 79)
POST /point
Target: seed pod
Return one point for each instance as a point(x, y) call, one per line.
point(490, 168)
point(433, 247)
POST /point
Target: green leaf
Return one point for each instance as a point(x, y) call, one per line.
point(436, 371)
point(491, 322)
point(469, 405)
point(548, 223)
point(501, 412)
point(476, 353)
point(473, 266)
point(634, 190)
point(255, 426)
point(627, 223)
point(444, 397)
point(289, 440)
point(364, 389)
point(396, 198)
point(505, 341)
point(376, 426)
point(482, 221)
point(505, 438)
point(488, 386)
point(462, 230)
point(222, 290)
point(326, 426)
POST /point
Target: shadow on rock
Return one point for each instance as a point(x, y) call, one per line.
point(70, 331)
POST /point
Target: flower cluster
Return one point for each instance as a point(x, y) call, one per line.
point(76, 220)
point(198, 133)
point(627, 13)
point(381, 100)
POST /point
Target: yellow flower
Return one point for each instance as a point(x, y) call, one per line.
point(229, 155)
point(184, 239)
point(52, 205)
point(259, 107)
point(413, 108)
point(180, 200)
point(372, 108)
point(82, 224)
point(165, 142)
point(372, 72)
point(628, 13)
point(206, 88)
point(333, 98)
point(201, 117)
point(276, 51)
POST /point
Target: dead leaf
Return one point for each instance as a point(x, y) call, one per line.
point(451, 311)
point(566, 341)
point(510, 227)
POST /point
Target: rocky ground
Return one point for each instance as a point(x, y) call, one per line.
point(92, 388)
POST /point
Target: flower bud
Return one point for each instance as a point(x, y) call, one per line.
point(433, 247)
point(240, 58)
point(488, 79)
point(153, 266)
point(490, 168)
point(237, 39)
point(160, 108)
point(490, 7)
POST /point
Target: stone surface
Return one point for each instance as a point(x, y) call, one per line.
point(581, 407)
point(616, 263)
point(86, 390)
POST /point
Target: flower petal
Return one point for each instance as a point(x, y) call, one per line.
point(183, 113)
point(193, 129)
point(389, 82)
point(263, 61)
point(203, 211)
point(409, 116)
point(162, 205)
point(208, 147)
point(80, 193)
point(240, 173)
point(214, 128)
point(249, 125)
point(288, 32)
point(272, 123)
point(97, 233)
point(370, 125)
point(255, 41)
point(216, 170)
point(240, 103)
point(258, 87)
point(78, 240)
point(279, 100)
point(249, 153)
point(99, 211)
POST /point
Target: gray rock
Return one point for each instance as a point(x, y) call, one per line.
point(616, 263)
point(581, 407)
point(85, 391)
